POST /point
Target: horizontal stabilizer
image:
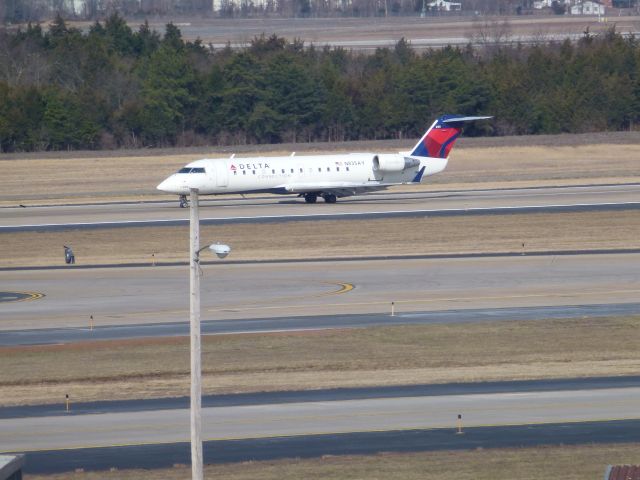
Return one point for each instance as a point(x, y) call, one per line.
point(463, 119)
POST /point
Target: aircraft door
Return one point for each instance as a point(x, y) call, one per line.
point(222, 175)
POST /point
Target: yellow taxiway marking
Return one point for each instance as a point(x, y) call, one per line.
point(430, 300)
point(344, 288)
point(29, 296)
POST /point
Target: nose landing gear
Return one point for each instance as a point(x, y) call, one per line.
point(184, 203)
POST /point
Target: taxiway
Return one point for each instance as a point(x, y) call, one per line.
point(289, 208)
point(151, 295)
point(298, 424)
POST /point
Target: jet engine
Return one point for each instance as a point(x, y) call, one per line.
point(393, 163)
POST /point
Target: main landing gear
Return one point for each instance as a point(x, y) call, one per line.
point(313, 197)
point(329, 198)
point(184, 203)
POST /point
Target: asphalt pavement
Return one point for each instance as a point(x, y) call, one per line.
point(309, 446)
point(278, 209)
point(50, 336)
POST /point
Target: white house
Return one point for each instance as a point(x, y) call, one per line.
point(76, 7)
point(588, 7)
point(445, 6)
point(540, 4)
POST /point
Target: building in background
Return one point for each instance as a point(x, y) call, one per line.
point(444, 6)
point(587, 7)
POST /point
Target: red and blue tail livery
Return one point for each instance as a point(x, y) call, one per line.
point(439, 139)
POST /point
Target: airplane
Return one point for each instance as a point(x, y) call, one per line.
point(328, 176)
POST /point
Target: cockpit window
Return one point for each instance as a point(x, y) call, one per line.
point(191, 170)
point(197, 170)
point(184, 170)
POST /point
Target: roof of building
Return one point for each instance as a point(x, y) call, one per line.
point(10, 464)
point(623, 472)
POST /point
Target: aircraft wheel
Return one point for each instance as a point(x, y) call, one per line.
point(183, 201)
point(330, 198)
point(310, 197)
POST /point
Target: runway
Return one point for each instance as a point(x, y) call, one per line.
point(323, 395)
point(58, 336)
point(426, 420)
point(152, 295)
point(363, 34)
point(289, 208)
point(316, 418)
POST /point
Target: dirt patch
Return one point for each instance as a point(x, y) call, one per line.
point(327, 239)
point(344, 358)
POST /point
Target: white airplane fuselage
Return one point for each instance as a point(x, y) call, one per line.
point(327, 176)
point(297, 174)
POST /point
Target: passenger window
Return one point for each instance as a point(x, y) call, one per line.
point(319, 169)
point(347, 169)
point(273, 171)
point(254, 172)
point(337, 169)
point(300, 170)
point(328, 169)
point(244, 172)
point(235, 172)
point(283, 170)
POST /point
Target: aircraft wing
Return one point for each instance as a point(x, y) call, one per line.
point(339, 189)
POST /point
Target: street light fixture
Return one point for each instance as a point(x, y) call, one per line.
point(194, 327)
point(219, 249)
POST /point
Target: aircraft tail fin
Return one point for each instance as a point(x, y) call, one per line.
point(443, 133)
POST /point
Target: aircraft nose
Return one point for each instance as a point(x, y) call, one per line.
point(177, 184)
point(167, 185)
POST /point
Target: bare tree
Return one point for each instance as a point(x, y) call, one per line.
point(490, 33)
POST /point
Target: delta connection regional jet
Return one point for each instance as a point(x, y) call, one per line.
point(326, 176)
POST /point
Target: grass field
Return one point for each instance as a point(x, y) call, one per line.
point(47, 178)
point(399, 355)
point(326, 239)
point(583, 462)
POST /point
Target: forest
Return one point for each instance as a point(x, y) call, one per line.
point(115, 87)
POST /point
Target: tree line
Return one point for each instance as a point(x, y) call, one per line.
point(113, 87)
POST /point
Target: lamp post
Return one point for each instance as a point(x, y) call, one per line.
point(194, 328)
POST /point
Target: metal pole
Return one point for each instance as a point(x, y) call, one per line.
point(194, 309)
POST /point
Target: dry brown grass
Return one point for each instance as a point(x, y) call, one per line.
point(41, 179)
point(539, 463)
point(324, 359)
point(400, 236)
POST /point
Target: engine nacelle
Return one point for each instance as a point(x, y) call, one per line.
point(393, 163)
